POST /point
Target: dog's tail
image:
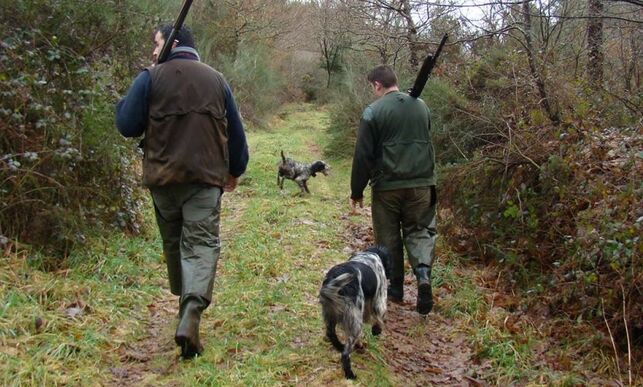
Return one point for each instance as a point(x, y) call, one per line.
point(283, 158)
point(330, 295)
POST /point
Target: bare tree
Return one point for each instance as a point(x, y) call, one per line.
point(333, 34)
point(595, 41)
point(234, 22)
point(535, 72)
point(411, 33)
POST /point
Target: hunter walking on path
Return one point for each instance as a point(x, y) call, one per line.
point(194, 150)
point(394, 151)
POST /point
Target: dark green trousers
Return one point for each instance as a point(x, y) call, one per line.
point(405, 218)
point(188, 219)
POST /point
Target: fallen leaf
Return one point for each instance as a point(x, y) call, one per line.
point(136, 356)
point(73, 312)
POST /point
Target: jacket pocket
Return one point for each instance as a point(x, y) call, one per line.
point(407, 159)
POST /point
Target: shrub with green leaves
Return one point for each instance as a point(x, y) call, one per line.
point(63, 165)
point(257, 85)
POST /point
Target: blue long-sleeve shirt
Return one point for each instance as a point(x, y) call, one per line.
point(132, 114)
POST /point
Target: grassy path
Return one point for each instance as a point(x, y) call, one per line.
point(264, 326)
point(108, 319)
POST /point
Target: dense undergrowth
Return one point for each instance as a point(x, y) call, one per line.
point(109, 319)
point(63, 168)
point(65, 171)
point(554, 207)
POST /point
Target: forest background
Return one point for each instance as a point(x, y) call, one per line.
point(536, 122)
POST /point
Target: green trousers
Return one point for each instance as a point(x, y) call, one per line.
point(188, 219)
point(405, 218)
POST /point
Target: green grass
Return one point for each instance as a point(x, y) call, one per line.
point(264, 326)
point(277, 245)
point(43, 341)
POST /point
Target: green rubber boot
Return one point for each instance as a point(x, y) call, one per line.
point(187, 332)
point(395, 291)
point(425, 293)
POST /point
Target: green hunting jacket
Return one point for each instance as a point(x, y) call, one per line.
point(394, 148)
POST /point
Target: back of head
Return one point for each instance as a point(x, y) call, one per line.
point(183, 37)
point(383, 74)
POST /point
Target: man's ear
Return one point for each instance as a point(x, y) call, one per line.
point(175, 43)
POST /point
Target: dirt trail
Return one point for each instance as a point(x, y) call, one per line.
point(422, 350)
point(419, 350)
point(155, 353)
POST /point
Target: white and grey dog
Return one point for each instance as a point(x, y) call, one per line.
point(298, 172)
point(352, 293)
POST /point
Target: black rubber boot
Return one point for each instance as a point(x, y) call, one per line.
point(425, 293)
point(187, 332)
point(395, 291)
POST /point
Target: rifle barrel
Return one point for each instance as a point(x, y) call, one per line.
point(167, 47)
point(425, 70)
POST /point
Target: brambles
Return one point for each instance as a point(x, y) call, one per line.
point(65, 170)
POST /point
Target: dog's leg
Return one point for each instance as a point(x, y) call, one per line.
point(306, 186)
point(379, 311)
point(302, 186)
point(352, 340)
point(352, 325)
point(331, 334)
point(377, 325)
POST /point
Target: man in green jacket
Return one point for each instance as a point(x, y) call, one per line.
point(394, 151)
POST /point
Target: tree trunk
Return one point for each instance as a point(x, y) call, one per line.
point(595, 42)
point(631, 69)
point(411, 35)
point(325, 50)
point(540, 83)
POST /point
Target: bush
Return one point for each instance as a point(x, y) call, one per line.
point(344, 120)
point(348, 98)
point(257, 87)
point(567, 209)
point(63, 165)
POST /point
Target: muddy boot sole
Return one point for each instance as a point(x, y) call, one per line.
point(189, 349)
point(395, 299)
point(395, 294)
point(425, 298)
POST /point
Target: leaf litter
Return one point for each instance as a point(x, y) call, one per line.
point(418, 350)
point(137, 358)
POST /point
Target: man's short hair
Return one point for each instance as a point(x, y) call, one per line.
point(183, 36)
point(383, 74)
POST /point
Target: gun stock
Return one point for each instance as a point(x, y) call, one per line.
point(425, 70)
point(167, 47)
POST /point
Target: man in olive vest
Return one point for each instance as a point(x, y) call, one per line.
point(394, 151)
point(194, 150)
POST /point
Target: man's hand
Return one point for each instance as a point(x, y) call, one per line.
point(230, 183)
point(355, 203)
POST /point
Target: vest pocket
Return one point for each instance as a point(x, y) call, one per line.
point(407, 159)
